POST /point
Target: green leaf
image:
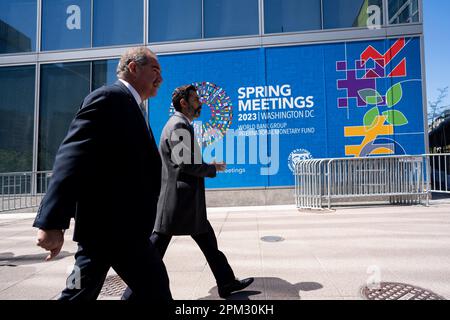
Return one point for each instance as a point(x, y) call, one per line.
point(394, 95)
point(370, 116)
point(371, 100)
point(396, 118)
point(370, 96)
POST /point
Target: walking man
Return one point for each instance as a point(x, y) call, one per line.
point(181, 205)
point(107, 176)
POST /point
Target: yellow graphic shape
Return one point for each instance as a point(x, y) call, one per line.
point(370, 134)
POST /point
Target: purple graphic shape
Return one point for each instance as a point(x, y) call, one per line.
point(343, 103)
point(341, 66)
point(354, 85)
point(360, 65)
point(377, 72)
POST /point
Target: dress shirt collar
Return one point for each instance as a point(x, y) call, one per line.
point(180, 114)
point(133, 91)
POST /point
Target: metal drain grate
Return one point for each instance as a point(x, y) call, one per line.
point(113, 286)
point(272, 239)
point(398, 291)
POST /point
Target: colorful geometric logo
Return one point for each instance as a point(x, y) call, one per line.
point(361, 85)
point(221, 109)
point(372, 65)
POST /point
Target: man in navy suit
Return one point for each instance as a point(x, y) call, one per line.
point(107, 176)
point(182, 204)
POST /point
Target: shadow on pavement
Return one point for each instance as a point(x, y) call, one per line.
point(268, 288)
point(439, 196)
point(8, 258)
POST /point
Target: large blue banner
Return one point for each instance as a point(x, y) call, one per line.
point(264, 109)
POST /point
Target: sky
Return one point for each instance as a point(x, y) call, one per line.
point(437, 46)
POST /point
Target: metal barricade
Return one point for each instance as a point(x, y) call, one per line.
point(399, 179)
point(22, 190)
point(439, 172)
point(312, 176)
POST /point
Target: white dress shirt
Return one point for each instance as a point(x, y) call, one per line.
point(138, 99)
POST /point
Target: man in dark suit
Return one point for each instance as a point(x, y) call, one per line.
point(181, 205)
point(107, 175)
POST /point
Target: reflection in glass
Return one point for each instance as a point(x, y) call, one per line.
point(291, 15)
point(66, 24)
point(118, 22)
point(17, 26)
point(63, 88)
point(104, 73)
point(352, 13)
point(403, 11)
point(224, 18)
point(16, 118)
point(165, 23)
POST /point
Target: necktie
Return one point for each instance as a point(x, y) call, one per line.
point(144, 113)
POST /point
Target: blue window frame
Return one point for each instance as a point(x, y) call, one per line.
point(63, 88)
point(354, 13)
point(66, 24)
point(16, 118)
point(225, 18)
point(118, 22)
point(104, 73)
point(403, 11)
point(291, 15)
point(18, 26)
point(165, 23)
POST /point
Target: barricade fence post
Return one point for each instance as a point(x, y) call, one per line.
point(22, 190)
point(406, 179)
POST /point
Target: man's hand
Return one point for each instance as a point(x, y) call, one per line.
point(221, 166)
point(50, 240)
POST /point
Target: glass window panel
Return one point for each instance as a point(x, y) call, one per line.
point(224, 18)
point(63, 88)
point(291, 15)
point(351, 13)
point(66, 24)
point(403, 11)
point(165, 23)
point(104, 72)
point(118, 22)
point(16, 118)
point(18, 26)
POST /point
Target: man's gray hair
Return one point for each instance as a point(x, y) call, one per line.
point(139, 55)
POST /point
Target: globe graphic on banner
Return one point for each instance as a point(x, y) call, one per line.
point(213, 97)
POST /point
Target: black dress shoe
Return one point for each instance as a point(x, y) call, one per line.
point(235, 285)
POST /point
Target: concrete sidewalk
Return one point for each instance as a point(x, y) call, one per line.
point(324, 255)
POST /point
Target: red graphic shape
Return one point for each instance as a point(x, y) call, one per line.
point(371, 74)
point(400, 70)
point(373, 53)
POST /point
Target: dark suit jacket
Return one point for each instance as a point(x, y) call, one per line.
point(106, 173)
point(181, 205)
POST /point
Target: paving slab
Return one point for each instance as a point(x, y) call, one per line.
point(322, 255)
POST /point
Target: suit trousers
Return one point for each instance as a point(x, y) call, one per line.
point(207, 242)
point(140, 267)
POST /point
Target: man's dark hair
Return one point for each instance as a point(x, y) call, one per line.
point(182, 92)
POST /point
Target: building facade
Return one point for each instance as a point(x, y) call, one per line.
point(281, 80)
